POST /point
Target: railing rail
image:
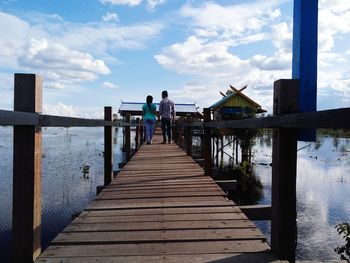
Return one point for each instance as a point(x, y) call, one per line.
point(331, 119)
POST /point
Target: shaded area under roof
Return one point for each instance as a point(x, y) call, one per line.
point(135, 108)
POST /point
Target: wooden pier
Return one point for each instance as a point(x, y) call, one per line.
point(160, 208)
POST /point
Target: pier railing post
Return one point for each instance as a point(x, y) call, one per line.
point(127, 138)
point(284, 161)
point(108, 150)
point(137, 134)
point(179, 129)
point(142, 134)
point(207, 143)
point(27, 155)
point(189, 141)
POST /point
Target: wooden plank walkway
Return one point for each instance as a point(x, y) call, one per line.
point(160, 208)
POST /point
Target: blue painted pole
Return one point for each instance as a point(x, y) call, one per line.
point(304, 68)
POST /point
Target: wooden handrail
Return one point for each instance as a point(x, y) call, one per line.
point(332, 119)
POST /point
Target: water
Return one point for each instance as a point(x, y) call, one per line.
point(65, 191)
point(323, 200)
point(323, 184)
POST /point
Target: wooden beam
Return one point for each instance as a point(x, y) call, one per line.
point(27, 152)
point(207, 143)
point(59, 121)
point(227, 184)
point(127, 139)
point(332, 119)
point(188, 141)
point(284, 168)
point(18, 118)
point(257, 212)
point(137, 134)
point(108, 148)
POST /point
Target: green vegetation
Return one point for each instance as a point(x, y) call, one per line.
point(343, 133)
point(344, 250)
point(85, 169)
point(249, 187)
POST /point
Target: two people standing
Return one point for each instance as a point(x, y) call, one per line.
point(166, 114)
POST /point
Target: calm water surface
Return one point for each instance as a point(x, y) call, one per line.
point(323, 185)
point(323, 194)
point(64, 189)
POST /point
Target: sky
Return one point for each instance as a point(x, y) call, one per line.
point(96, 53)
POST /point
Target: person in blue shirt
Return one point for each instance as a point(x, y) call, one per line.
point(149, 116)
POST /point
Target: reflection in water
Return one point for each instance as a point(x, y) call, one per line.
point(323, 184)
point(64, 189)
point(323, 201)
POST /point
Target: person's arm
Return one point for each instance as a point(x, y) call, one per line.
point(160, 110)
point(155, 110)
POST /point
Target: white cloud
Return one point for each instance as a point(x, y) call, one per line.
point(278, 62)
point(208, 53)
point(65, 52)
point(109, 85)
point(152, 4)
point(239, 19)
point(57, 62)
point(110, 17)
point(61, 109)
point(122, 2)
point(337, 6)
point(196, 56)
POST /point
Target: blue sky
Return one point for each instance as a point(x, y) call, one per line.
point(93, 53)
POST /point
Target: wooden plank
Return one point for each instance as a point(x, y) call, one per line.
point(148, 236)
point(194, 258)
point(164, 211)
point(163, 225)
point(167, 248)
point(160, 218)
point(114, 205)
point(168, 189)
point(115, 196)
point(27, 154)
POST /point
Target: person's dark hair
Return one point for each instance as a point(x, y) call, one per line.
point(164, 93)
point(149, 100)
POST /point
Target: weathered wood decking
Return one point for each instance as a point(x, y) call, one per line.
point(160, 208)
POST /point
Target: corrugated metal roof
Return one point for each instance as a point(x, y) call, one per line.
point(137, 107)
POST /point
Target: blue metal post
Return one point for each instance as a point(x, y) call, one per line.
point(305, 57)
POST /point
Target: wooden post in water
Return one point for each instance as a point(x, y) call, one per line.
point(108, 148)
point(188, 141)
point(142, 134)
point(27, 154)
point(127, 138)
point(179, 129)
point(137, 134)
point(284, 161)
point(207, 143)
